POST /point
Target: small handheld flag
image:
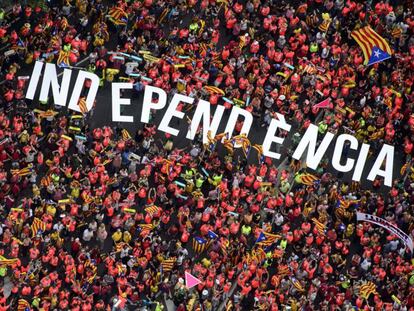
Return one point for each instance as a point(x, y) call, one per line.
point(191, 280)
point(374, 47)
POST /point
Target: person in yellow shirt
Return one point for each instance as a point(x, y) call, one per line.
point(117, 236)
point(126, 236)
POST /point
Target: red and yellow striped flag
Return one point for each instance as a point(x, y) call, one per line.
point(319, 226)
point(168, 264)
point(37, 225)
point(153, 209)
point(366, 289)
point(23, 305)
point(82, 105)
point(367, 39)
point(7, 262)
point(118, 16)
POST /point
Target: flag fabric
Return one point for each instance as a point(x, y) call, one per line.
point(23, 305)
point(63, 59)
point(324, 26)
point(366, 289)
point(396, 32)
point(145, 229)
point(224, 245)
point(82, 105)
point(213, 90)
point(310, 69)
point(37, 225)
point(326, 103)
point(259, 150)
point(297, 284)
point(283, 270)
point(212, 235)
point(319, 226)
point(199, 244)
point(125, 135)
point(22, 172)
point(168, 264)
point(306, 179)
point(7, 262)
point(266, 239)
point(153, 209)
point(374, 47)
point(118, 16)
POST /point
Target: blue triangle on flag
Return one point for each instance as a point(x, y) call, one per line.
point(212, 235)
point(377, 55)
point(261, 238)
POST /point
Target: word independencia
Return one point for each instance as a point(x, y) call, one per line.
point(383, 165)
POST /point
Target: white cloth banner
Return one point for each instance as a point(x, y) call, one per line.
point(408, 241)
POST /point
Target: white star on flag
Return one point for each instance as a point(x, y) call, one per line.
point(377, 53)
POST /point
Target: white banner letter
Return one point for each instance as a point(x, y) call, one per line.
point(147, 103)
point(203, 112)
point(93, 90)
point(280, 122)
point(339, 147)
point(309, 141)
point(117, 101)
point(387, 154)
point(173, 112)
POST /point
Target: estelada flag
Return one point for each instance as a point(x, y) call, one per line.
point(374, 47)
point(37, 225)
point(199, 244)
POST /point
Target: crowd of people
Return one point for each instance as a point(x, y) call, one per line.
point(103, 219)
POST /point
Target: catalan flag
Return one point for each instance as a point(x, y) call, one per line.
point(214, 90)
point(259, 150)
point(319, 226)
point(118, 16)
point(374, 47)
point(23, 305)
point(306, 179)
point(153, 209)
point(63, 59)
point(125, 135)
point(7, 262)
point(297, 284)
point(366, 289)
point(168, 264)
point(266, 239)
point(22, 172)
point(37, 225)
point(283, 270)
point(212, 235)
point(82, 105)
point(200, 244)
point(163, 15)
point(145, 229)
point(225, 243)
point(258, 255)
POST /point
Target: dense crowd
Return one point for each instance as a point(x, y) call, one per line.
point(103, 219)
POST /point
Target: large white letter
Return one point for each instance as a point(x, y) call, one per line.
point(280, 122)
point(339, 146)
point(60, 93)
point(93, 90)
point(359, 167)
point(309, 141)
point(231, 123)
point(387, 154)
point(117, 101)
point(173, 112)
point(203, 111)
point(147, 103)
point(34, 80)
